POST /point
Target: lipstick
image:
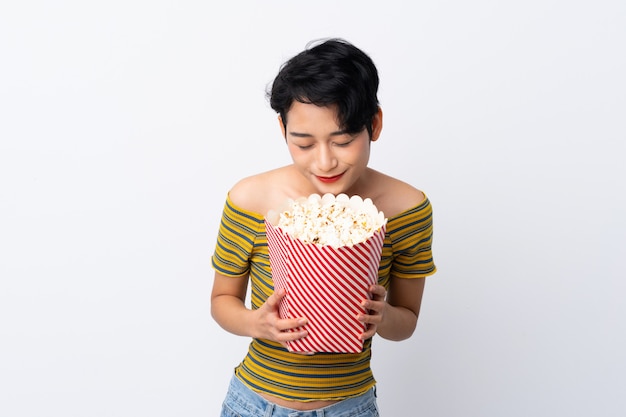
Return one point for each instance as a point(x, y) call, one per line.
point(329, 179)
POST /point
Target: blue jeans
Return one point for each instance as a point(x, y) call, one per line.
point(241, 401)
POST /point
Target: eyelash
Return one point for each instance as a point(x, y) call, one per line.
point(341, 145)
point(344, 144)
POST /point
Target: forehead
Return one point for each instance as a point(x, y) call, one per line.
point(307, 114)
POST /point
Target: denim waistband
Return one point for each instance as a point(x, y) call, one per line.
point(241, 400)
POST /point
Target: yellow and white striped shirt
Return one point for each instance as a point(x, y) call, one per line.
point(242, 249)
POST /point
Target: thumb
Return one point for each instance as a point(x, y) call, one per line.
point(274, 299)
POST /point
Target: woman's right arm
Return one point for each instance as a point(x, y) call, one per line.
point(230, 312)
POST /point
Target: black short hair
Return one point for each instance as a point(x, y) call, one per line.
point(333, 72)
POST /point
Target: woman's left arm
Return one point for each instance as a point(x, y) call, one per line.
point(393, 314)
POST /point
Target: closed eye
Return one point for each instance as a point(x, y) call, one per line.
point(344, 144)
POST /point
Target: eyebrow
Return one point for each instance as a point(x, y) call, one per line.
point(308, 135)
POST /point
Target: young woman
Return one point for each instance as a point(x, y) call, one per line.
point(328, 112)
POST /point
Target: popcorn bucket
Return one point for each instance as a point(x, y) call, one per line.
point(326, 285)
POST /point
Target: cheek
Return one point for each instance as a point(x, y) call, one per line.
point(358, 155)
point(293, 150)
point(298, 156)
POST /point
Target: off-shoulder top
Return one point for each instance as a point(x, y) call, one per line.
point(242, 249)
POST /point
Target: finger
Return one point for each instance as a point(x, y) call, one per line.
point(288, 336)
point(373, 306)
point(370, 319)
point(378, 292)
point(368, 333)
point(274, 299)
point(289, 324)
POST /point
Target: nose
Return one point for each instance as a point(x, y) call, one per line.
point(325, 159)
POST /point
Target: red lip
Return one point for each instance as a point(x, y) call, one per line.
point(330, 179)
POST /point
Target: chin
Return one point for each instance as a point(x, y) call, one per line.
point(333, 189)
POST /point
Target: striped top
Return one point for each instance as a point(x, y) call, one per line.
point(242, 249)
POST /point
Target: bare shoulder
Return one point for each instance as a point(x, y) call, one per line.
point(259, 193)
point(395, 196)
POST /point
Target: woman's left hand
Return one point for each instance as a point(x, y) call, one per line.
point(376, 308)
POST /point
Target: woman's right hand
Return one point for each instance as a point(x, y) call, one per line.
point(269, 325)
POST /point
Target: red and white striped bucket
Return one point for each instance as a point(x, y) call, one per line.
point(325, 285)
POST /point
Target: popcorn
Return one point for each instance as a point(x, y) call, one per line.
point(325, 251)
point(329, 220)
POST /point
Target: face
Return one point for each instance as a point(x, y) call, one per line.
point(329, 159)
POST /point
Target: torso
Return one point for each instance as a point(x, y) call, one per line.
point(297, 405)
point(266, 191)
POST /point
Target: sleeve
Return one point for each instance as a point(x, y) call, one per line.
point(236, 238)
point(412, 242)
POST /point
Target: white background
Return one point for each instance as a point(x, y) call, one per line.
point(124, 123)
